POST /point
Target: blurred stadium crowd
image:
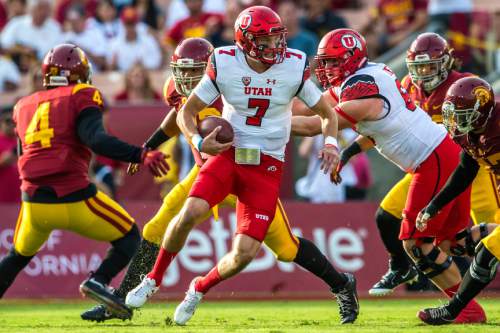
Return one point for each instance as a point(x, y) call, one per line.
point(129, 43)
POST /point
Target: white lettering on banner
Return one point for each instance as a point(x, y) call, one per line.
point(220, 236)
point(339, 249)
point(203, 249)
point(172, 276)
point(61, 265)
point(198, 244)
point(7, 237)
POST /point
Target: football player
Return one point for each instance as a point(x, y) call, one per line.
point(188, 66)
point(258, 78)
point(430, 62)
point(369, 98)
point(57, 129)
point(472, 118)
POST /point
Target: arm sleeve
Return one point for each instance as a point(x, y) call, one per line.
point(206, 90)
point(458, 182)
point(309, 93)
point(91, 132)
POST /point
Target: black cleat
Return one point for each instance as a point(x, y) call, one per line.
point(347, 298)
point(98, 313)
point(99, 292)
point(393, 278)
point(436, 316)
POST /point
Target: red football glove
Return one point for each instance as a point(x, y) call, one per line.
point(156, 162)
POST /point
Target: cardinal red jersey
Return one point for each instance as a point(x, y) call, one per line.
point(485, 148)
point(432, 103)
point(52, 154)
point(175, 100)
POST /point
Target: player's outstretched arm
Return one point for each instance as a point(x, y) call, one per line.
point(459, 181)
point(167, 129)
point(91, 132)
point(359, 145)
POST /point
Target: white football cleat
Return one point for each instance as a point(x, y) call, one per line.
point(186, 309)
point(140, 294)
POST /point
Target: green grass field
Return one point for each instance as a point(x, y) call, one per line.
point(272, 317)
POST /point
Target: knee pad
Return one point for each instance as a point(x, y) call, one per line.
point(469, 247)
point(484, 266)
point(426, 262)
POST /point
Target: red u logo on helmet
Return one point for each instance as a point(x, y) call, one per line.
point(245, 21)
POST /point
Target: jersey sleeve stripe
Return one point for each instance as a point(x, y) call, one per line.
point(341, 112)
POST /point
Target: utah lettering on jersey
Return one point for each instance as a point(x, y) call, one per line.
point(258, 91)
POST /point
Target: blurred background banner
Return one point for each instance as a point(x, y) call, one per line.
point(344, 232)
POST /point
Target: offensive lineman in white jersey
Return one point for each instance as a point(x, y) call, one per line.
point(257, 79)
point(369, 98)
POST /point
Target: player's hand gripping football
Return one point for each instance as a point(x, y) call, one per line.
point(423, 218)
point(329, 155)
point(156, 162)
point(211, 146)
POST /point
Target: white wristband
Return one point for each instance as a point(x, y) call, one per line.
point(330, 140)
point(197, 140)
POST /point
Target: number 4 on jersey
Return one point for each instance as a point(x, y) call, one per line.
point(38, 129)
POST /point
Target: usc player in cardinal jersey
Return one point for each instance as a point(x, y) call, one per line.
point(188, 65)
point(57, 128)
point(472, 118)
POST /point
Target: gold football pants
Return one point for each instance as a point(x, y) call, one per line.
point(99, 218)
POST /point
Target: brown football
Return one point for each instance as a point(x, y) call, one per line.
point(208, 124)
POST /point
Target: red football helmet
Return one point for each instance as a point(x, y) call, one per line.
point(260, 21)
point(65, 64)
point(341, 52)
point(429, 60)
point(468, 105)
point(188, 63)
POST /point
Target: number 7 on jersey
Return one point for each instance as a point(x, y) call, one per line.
point(262, 105)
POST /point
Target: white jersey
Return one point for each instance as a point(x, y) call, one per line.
point(258, 105)
point(405, 134)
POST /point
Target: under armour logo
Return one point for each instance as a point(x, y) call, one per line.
point(269, 81)
point(272, 168)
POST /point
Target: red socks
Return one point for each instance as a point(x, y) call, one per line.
point(204, 284)
point(162, 262)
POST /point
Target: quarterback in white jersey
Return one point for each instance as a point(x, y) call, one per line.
point(369, 98)
point(257, 80)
